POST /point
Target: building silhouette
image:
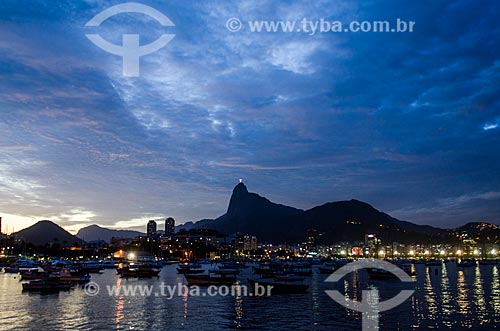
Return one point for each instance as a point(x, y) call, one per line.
point(151, 229)
point(312, 236)
point(169, 227)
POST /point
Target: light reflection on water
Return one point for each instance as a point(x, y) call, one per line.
point(120, 302)
point(446, 298)
point(495, 292)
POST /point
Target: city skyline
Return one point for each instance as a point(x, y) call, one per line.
point(407, 122)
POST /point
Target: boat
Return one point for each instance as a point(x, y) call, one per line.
point(46, 286)
point(21, 266)
point(39, 273)
point(433, 263)
point(466, 263)
point(289, 278)
point(189, 269)
point(299, 271)
point(380, 274)
point(92, 267)
point(419, 261)
point(326, 270)
point(210, 279)
point(11, 270)
point(488, 262)
point(232, 265)
point(264, 271)
point(66, 276)
point(280, 287)
point(220, 271)
point(139, 271)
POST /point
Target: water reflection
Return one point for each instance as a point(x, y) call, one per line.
point(478, 293)
point(238, 308)
point(452, 299)
point(119, 305)
point(352, 291)
point(185, 297)
point(371, 318)
point(495, 291)
point(446, 298)
point(430, 296)
point(463, 291)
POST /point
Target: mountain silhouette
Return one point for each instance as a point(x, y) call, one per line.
point(250, 213)
point(95, 232)
point(45, 232)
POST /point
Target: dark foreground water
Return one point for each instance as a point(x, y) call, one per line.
point(452, 299)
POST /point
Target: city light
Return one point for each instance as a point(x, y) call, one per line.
point(476, 252)
point(493, 251)
point(442, 252)
point(412, 252)
point(459, 252)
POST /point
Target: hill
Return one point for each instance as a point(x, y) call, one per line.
point(250, 213)
point(95, 232)
point(46, 232)
point(479, 231)
point(334, 221)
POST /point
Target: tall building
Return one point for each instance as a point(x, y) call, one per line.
point(151, 228)
point(311, 240)
point(169, 227)
point(250, 243)
point(0, 225)
point(372, 244)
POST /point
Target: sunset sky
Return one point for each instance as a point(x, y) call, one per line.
point(408, 122)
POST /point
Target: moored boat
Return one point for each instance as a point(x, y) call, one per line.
point(289, 278)
point(46, 286)
point(326, 270)
point(466, 263)
point(139, 271)
point(66, 276)
point(39, 273)
point(434, 263)
point(380, 274)
point(189, 269)
point(488, 262)
point(219, 271)
point(210, 279)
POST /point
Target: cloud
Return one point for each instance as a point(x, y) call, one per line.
point(490, 125)
point(294, 56)
point(466, 198)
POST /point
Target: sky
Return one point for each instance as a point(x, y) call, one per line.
point(408, 122)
